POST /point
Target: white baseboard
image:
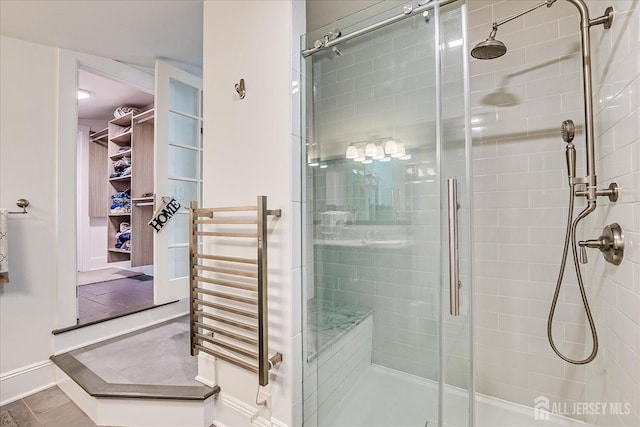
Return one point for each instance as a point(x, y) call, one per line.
point(98, 262)
point(230, 411)
point(26, 380)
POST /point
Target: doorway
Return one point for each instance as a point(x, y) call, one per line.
point(113, 279)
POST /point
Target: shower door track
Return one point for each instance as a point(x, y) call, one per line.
point(408, 12)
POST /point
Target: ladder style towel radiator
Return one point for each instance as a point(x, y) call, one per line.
point(229, 315)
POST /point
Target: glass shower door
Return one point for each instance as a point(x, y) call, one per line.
point(456, 400)
point(383, 121)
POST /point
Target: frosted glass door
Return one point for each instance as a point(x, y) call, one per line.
point(178, 174)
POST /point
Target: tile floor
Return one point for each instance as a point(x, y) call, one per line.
point(104, 300)
point(48, 408)
point(158, 355)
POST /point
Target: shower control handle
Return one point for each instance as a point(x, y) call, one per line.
point(454, 258)
point(611, 244)
point(583, 255)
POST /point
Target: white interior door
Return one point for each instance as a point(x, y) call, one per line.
point(178, 174)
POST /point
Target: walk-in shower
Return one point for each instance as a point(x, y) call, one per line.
point(611, 243)
point(387, 311)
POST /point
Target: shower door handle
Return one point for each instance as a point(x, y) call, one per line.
point(454, 259)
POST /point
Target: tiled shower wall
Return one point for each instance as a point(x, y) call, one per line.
point(385, 86)
point(615, 374)
point(521, 198)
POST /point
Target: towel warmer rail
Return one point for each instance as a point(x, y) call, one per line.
point(229, 314)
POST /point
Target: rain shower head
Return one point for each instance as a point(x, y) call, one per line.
point(490, 48)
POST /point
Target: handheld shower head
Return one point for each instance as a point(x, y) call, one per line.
point(568, 130)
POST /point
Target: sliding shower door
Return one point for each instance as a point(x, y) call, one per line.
point(385, 135)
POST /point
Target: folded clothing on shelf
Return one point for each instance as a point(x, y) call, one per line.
point(124, 148)
point(121, 167)
point(121, 203)
point(123, 110)
point(123, 237)
point(122, 130)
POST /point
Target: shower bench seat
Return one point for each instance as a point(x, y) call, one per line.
point(339, 347)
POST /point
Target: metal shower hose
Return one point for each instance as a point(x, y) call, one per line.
point(571, 236)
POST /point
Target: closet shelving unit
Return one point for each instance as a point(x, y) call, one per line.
point(140, 138)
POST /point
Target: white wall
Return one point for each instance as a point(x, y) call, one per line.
point(249, 145)
point(615, 291)
point(521, 196)
point(27, 153)
point(37, 161)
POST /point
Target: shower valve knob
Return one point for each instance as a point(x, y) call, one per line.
point(611, 244)
point(583, 255)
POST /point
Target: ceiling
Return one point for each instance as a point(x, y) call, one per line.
point(135, 32)
point(106, 96)
point(131, 31)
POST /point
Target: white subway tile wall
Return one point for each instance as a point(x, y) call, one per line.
point(521, 198)
point(329, 375)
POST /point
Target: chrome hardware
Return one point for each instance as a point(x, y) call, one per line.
point(454, 259)
point(611, 243)
point(606, 20)
point(571, 160)
point(612, 192)
point(229, 290)
point(407, 9)
point(568, 130)
point(583, 255)
point(21, 203)
point(343, 38)
point(242, 91)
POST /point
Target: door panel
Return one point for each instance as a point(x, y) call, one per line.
point(456, 379)
point(178, 154)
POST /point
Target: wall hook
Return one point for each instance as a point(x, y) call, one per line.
point(21, 203)
point(241, 89)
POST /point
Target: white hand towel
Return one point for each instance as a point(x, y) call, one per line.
point(4, 247)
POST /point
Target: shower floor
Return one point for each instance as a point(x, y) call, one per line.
point(383, 397)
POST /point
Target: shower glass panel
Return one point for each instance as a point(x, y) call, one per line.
point(384, 127)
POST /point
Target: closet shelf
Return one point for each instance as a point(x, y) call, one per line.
point(122, 138)
point(100, 137)
point(123, 120)
point(119, 214)
point(120, 155)
point(120, 251)
point(120, 178)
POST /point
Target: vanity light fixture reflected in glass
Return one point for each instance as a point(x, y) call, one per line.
point(370, 150)
point(400, 151)
point(352, 152)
